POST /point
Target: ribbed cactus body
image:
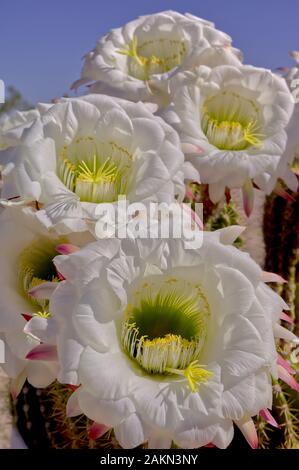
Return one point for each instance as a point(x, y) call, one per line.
point(281, 234)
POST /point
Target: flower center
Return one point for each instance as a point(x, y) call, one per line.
point(154, 56)
point(165, 327)
point(96, 172)
point(231, 122)
point(36, 266)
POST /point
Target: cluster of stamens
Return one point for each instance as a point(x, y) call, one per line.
point(154, 56)
point(165, 328)
point(231, 122)
point(96, 172)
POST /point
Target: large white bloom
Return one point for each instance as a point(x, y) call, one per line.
point(237, 116)
point(90, 150)
point(168, 344)
point(26, 263)
point(12, 125)
point(292, 150)
point(135, 61)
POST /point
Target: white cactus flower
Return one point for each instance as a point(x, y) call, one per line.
point(237, 118)
point(13, 124)
point(87, 151)
point(291, 155)
point(25, 267)
point(167, 344)
point(135, 61)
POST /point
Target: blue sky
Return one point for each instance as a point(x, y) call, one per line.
point(42, 42)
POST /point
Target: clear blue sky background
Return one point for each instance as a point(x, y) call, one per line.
point(42, 41)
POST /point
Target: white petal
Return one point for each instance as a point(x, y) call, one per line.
point(281, 332)
point(72, 407)
point(41, 374)
point(114, 376)
point(129, 432)
point(108, 412)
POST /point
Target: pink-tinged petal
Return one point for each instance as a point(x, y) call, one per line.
point(284, 194)
point(228, 195)
point(17, 384)
point(283, 69)
point(189, 194)
point(193, 215)
point(190, 148)
point(43, 352)
point(197, 220)
point(285, 364)
point(210, 445)
point(272, 277)
point(266, 415)
point(26, 316)
point(287, 318)
point(72, 407)
point(60, 276)
point(248, 197)
point(97, 430)
point(43, 291)
point(283, 333)
point(287, 378)
point(67, 249)
point(73, 387)
point(248, 430)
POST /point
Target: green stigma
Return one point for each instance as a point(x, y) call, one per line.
point(94, 171)
point(165, 327)
point(35, 266)
point(155, 56)
point(194, 373)
point(231, 122)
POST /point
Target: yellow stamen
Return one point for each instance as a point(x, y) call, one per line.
point(152, 63)
point(96, 172)
point(231, 135)
point(155, 355)
point(107, 172)
point(251, 136)
point(35, 281)
point(231, 121)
